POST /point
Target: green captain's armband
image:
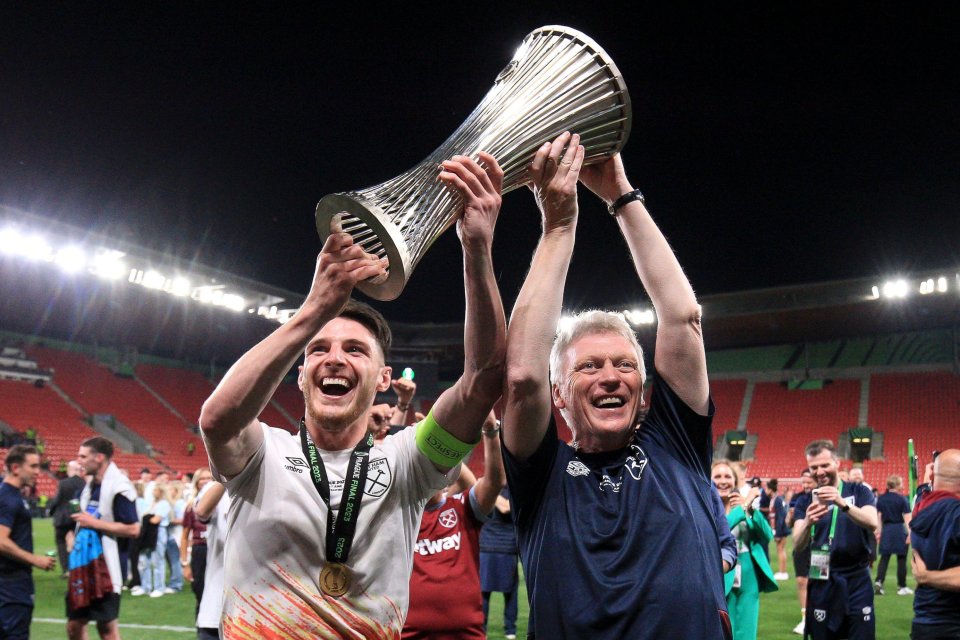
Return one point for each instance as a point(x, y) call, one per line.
point(439, 446)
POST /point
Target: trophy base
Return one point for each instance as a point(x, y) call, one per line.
point(370, 228)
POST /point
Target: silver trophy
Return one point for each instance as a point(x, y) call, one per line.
point(558, 80)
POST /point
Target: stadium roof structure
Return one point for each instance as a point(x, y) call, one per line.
point(59, 281)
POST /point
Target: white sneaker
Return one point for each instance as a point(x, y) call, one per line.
point(904, 591)
point(799, 628)
point(781, 576)
point(169, 590)
point(156, 594)
point(511, 636)
point(137, 591)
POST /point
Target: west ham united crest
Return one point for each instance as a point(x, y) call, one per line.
point(378, 478)
point(448, 518)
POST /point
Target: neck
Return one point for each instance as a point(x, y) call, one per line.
point(13, 481)
point(601, 442)
point(98, 476)
point(337, 440)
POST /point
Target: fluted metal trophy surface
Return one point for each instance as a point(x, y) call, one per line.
point(558, 80)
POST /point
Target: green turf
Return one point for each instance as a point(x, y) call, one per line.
point(779, 611)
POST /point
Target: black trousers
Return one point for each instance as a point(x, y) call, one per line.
point(901, 569)
point(134, 555)
point(198, 566)
point(60, 533)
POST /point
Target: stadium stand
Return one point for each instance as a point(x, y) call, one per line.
point(97, 390)
point(728, 396)
point(59, 426)
point(786, 421)
point(290, 399)
point(922, 406)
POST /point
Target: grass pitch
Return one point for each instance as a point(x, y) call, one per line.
point(172, 616)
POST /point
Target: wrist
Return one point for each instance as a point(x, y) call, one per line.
point(619, 188)
point(403, 406)
point(491, 431)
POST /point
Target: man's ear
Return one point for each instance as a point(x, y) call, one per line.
point(386, 378)
point(558, 397)
point(300, 377)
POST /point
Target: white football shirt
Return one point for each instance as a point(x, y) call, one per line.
point(275, 544)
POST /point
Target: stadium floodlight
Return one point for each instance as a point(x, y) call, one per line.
point(896, 289)
point(234, 302)
point(71, 259)
point(106, 263)
point(153, 279)
point(638, 317)
point(36, 248)
point(180, 286)
point(11, 241)
point(927, 286)
point(942, 284)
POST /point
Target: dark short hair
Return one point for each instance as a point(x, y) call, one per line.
point(772, 484)
point(99, 444)
point(372, 319)
point(806, 472)
point(145, 470)
point(817, 447)
point(18, 454)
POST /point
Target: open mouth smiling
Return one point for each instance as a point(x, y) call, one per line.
point(608, 402)
point(335, 386)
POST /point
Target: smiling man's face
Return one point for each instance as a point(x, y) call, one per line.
point(342, 371)
point(601, 388)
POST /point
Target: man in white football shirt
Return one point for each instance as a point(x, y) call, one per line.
point(322, 524)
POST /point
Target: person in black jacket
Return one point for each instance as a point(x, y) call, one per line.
point(67, 489)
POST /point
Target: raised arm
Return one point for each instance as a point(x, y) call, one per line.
point(488, 487)
point(461, 409)
point(536, 313)
point(680, 357)
point(405, 390)
point(228, 419)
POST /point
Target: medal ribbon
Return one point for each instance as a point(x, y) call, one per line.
point(833, 521)
point(340, 532)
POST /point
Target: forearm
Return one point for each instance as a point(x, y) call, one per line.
point(250, 383)
point(463, 409)
point(494, 477)
point(864, 517)
point(801, 535)
point(493, 470)
point(947, 579)
point(117, 529)
point(206, 503)
point(9, 549)
point(680, 357)
point(658, 268)
point(186, 541)
point(530, 335)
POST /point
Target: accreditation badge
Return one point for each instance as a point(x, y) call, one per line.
point(820, 564)
point(737, 576)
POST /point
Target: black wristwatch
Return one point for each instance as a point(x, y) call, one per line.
point(625, 199)
point(845, 507)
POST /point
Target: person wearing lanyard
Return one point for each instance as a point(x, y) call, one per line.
point(837, 521)
point(322, 523)
point(752, 574)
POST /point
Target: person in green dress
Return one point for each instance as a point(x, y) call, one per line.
point(752, 575)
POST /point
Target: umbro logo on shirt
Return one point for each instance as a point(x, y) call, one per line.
point(297, 465)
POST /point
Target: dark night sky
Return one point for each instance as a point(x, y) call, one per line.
point(776, 144)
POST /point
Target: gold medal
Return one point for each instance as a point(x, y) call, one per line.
point(334, 579)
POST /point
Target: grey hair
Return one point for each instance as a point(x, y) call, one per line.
point(591, 322)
